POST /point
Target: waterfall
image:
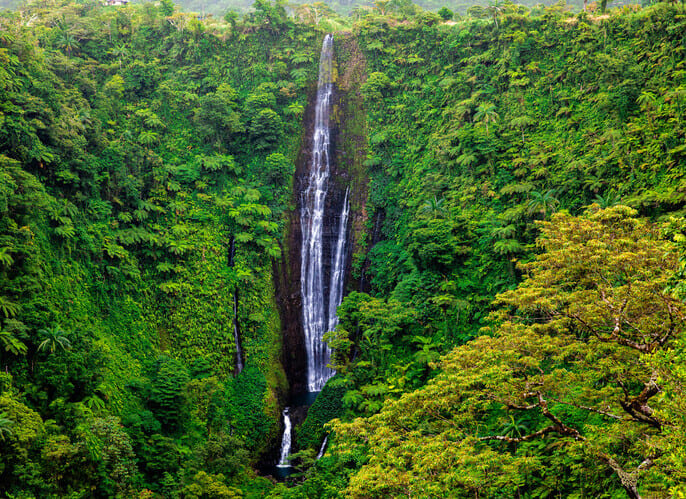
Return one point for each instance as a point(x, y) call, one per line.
point(338, 265)
point(239, 353)
point(323, 447)
point(318, 318)
point(286, 440)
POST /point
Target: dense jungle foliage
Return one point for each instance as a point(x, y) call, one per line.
point(147, 161)
point(357, 8)
point(522, 331)
point(478, 134)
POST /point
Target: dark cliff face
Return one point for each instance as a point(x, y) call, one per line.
point(351, 152)
point(348, 148)
point(288, 274)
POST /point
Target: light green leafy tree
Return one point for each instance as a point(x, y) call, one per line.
point(571, 375)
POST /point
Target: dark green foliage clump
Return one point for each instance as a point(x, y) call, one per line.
point(167, 397)
point(445, 13)
point(245, 402)
point(327, 406)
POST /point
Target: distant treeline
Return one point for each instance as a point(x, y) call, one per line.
point(219, 8)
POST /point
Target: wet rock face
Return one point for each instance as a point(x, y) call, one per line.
point(348, 152)
point(288, 286)
point(290, 303)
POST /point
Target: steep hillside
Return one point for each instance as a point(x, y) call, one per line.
point(479, 132)
point(514, 310)
point(147, 163)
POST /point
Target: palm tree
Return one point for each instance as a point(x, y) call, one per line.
point(147, 138)
point(8, 307)
point(67, 42)
point(544, 203)
point(514, 429)
point(495, 9)
point(521, 122)
point(120, 52)
point(508, 247)
point(54, 339)
point(610, 199)
point(5, 425)
point(95, 403)
point(6, 259)
point(467, 159)
point(428, 350)
point(433, 207)
point(486, 114)
point(11, 343)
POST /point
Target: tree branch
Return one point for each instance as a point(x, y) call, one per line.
point(521, 407)
point(561, 427)
point(531, 436)
point(591, 409)
point(638, 408)
point(557, 426)
point(628, 480)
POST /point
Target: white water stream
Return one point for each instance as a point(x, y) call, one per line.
point(286, 440)
point(318, 318)
point(323, 447)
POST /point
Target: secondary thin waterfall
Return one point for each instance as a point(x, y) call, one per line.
point(286, 440)
point(319, 310)
point(239, 353)
point(323, 447)
point(338, 266)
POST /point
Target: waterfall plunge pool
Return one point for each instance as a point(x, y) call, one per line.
point(294, 414)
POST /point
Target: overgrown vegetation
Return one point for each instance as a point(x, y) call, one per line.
point(480, 131)
point(511, 341)
point(147, 162)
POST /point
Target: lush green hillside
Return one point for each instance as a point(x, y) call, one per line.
point(147, 163)
point(479, 131)
point(146, 166)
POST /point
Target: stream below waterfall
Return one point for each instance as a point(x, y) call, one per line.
point(286, 440)
point(324, 247)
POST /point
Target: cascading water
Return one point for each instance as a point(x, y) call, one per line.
point(318, 318)
point(323, 447)
point(286, 440)
point(338, 266)
point(323, 252)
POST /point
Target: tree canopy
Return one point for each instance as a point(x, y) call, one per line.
point(571, 376)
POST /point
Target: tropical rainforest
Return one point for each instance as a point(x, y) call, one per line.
point(514, 318)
